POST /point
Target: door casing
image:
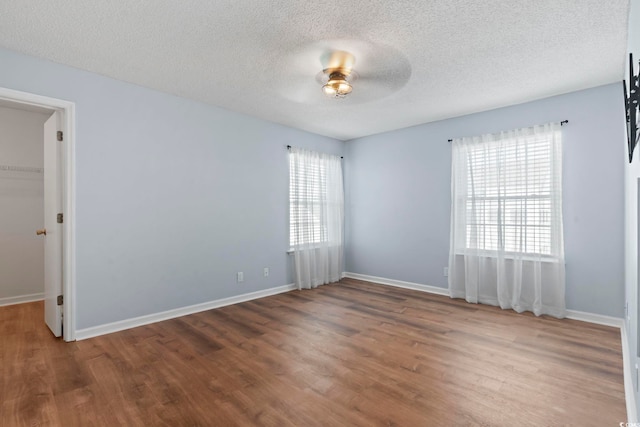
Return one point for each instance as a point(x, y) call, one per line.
point(67, 168)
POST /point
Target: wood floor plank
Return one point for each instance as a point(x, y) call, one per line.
point(353, 353)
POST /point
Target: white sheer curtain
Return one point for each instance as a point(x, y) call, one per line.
point(316, 201)
point(507, 247)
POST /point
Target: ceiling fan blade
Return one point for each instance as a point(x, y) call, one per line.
point(302, 90)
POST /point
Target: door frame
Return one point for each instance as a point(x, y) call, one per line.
point(67, 109)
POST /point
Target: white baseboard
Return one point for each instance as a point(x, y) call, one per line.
point(598, 319)
point(398, 283)
point(571, 314)
point(21, 299)
point(94, 331)
point(632, 410)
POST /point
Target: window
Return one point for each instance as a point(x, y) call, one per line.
point(512, 193)
point(506, 220)
point(316, 200)
point(306, 191)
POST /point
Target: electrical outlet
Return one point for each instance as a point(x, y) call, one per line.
point(240, 276)
point(446, 271)
point(265, 272)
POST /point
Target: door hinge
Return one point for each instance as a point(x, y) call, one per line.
point(60, 218)
point(60, 299)
point(59, 135)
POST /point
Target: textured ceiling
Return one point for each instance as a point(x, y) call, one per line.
point(418, 61)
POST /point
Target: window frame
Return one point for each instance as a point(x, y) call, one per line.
point(322, 187)
point(463, 239)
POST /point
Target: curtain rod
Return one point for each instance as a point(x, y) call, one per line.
point(289, 147)
point(562, 123)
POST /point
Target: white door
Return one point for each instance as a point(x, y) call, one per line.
point(53, 230)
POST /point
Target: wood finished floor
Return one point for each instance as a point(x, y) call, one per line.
point(347, 354)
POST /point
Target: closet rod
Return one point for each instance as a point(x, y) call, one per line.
point(29, 169)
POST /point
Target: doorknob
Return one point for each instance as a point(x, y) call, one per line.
point(41, 231)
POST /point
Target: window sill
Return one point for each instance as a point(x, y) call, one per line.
point(514, 256)
point(292, 250)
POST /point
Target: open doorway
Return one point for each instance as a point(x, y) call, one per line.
point(37, 192)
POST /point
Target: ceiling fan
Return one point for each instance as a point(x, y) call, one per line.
point(338, 76)
point(380, 71)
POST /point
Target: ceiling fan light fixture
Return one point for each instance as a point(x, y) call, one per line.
point(337, 86)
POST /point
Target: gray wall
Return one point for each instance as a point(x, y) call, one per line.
point(398, 195)
point(632, 176)
point(173, 196)
point(22, 205)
